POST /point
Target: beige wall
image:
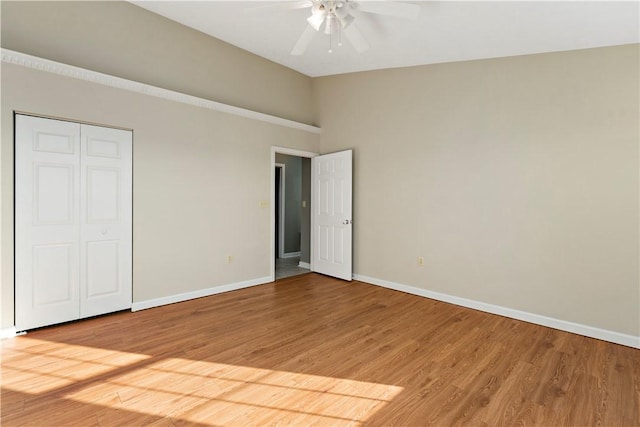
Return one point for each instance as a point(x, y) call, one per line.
point(123, 40)
point(199, 175)
point(516, 179)
point(305, 212)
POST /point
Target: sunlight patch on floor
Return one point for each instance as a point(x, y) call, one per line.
point(198, 391)
point(33, 370)
point(189, 390)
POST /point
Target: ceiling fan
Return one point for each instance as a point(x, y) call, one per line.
point(336, 18)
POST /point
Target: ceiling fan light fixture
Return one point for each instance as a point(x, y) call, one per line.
point(333, 18)
point(331, 24)
point(346, 21)
point(316, 20)
point(340, 10)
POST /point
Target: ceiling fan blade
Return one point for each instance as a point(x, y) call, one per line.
point(282, 6)
point(304, 40)
point(355, 37)
point(301, 4)
point(390, 8)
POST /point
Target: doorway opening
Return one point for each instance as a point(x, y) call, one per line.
point(291, 212)
point(279, 207)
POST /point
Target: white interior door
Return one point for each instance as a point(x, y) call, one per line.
point(105, 217)
point(331, 221)
point(47, 156)
point(73, 225)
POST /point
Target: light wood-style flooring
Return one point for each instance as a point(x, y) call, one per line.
point(311, 350)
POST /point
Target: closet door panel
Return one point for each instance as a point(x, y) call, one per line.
point(47, 223)
point(106, 226)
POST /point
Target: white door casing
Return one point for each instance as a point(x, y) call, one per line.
point(72, 221)
point(291, 152)
point(331, 221)
point(281, 209)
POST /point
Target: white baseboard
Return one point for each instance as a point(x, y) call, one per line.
point(304, 265)
point(563, 325)
point(156, 302)
point(8, 332)
point(290, 254)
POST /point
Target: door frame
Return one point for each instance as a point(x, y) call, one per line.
point(272, 243)
point(281, 207)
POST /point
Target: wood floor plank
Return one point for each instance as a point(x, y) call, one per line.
point(312, 350)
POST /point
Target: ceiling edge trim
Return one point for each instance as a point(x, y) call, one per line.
point(46, 65)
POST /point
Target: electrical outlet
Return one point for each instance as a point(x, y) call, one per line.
point(264, 204)
point(421, 261)
point(229, 259)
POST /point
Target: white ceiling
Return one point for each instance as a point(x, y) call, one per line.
point(445, 31)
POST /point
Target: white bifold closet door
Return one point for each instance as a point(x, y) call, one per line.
point(73, 221)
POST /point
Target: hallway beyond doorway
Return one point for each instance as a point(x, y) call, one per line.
point(287, 267)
